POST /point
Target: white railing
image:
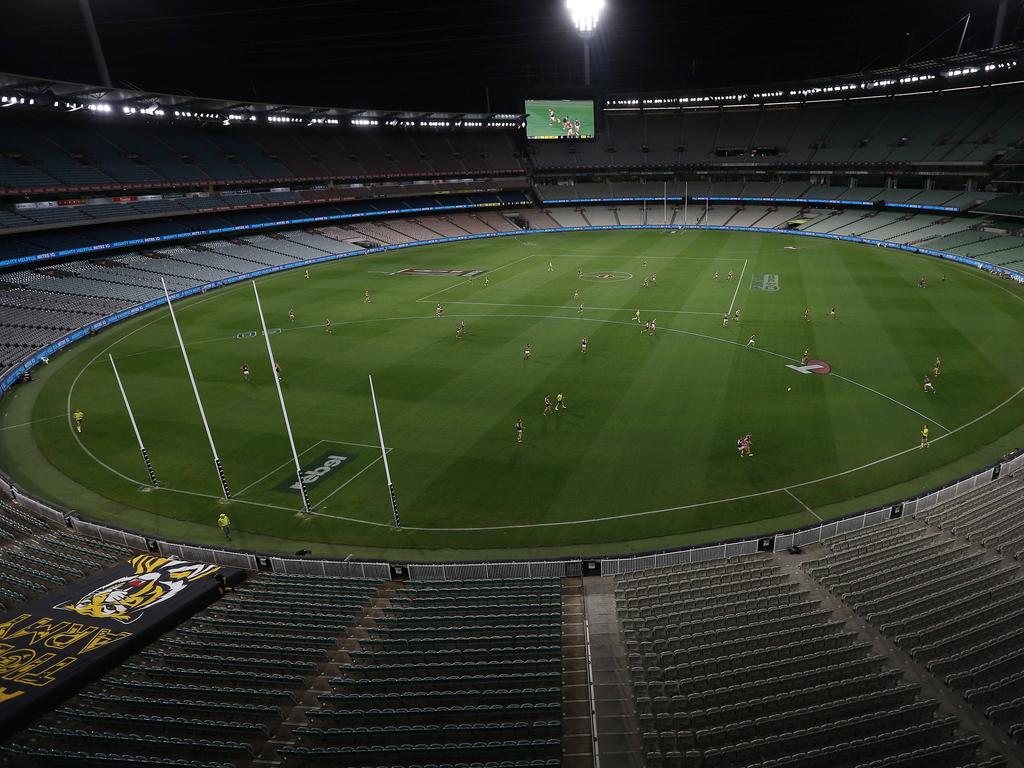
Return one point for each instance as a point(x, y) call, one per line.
point(523, 569)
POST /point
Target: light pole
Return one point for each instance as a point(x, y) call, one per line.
point(997, 36)
point(94, 43)
point(585, 14)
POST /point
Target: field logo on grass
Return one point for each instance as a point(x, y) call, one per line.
point(254, 334)
point(440, 272)
point(319, 469)
point(764, 282)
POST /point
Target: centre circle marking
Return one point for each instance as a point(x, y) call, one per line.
point(606, 277)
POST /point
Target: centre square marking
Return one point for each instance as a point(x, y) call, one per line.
point(316, 470)
point(609, 277)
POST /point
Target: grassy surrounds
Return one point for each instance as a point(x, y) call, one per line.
point(538, 119)
point(644, 455)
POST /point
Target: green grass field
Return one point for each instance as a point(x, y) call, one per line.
point(643, 457)
point(539, 126)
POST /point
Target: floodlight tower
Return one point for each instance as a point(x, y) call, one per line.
point(585, 14)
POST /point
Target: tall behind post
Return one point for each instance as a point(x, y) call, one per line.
point(686, 203)
point(384, 456)
point(199, 401)
point(135, 427)
point(280, 397)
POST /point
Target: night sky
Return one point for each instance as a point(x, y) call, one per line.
point(451, 55)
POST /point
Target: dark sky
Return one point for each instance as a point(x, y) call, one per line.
point(446, 54)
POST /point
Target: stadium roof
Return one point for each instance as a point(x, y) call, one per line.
point(995, 65)
point(56, 95)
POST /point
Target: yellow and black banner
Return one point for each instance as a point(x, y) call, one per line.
point(51, 647)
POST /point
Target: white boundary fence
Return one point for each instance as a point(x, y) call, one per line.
point(524, 569)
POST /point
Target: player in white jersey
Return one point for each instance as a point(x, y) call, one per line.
point(583, 345)
point(752, 341)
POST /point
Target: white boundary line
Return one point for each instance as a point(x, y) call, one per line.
point(737, 291)
point(801, 503)
point(561, 522)
point(30, 423)
point(463, 282)
point(553, 523)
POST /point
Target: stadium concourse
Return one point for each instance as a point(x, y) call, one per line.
point(898, 645)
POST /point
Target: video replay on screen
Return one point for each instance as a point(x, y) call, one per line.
point(560, 119)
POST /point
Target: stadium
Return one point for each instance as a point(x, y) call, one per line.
point(648, 419)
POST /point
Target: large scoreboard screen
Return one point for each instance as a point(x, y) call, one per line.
point(560, 119)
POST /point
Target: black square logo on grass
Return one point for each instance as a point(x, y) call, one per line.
point(313, 473)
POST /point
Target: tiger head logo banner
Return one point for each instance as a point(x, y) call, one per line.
point(155, 580)
point(52, 646)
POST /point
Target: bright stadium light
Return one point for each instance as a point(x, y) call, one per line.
point(585, 14)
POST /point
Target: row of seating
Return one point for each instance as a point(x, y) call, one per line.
point(210, 690)
point(945, 596)
point(725, 684)
point(37, 557)
point(467, 672)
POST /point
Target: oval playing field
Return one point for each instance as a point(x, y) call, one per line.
point(643, 455)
